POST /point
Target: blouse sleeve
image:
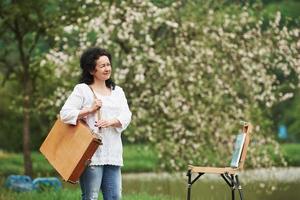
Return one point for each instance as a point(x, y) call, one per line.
point(70, 110)
point(125, 115)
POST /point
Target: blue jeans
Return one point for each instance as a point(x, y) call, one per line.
point(104, 177)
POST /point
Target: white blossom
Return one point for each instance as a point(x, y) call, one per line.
point(194, 88)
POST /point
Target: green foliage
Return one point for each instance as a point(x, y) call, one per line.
point(289, 9)
point(290, 117)
point(289, 152)
point(11, 120)
point(163, 3)
point(10, 123)
point(28, 30)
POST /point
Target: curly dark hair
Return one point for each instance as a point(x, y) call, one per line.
point(88, 64)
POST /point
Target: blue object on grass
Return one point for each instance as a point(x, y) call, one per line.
point(282, 132)
point(41, 184)
point(19, 183)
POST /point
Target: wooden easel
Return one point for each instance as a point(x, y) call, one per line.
point(229, 174)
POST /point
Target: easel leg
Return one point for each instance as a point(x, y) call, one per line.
point(239, 187)
point(189, 187)
point(190, 182)
point(232, 188)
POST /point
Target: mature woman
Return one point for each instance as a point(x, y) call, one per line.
point(104, 171)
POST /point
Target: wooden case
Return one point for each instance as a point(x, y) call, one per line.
point(69, 148)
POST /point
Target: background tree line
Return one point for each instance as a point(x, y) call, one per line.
point(41, 41)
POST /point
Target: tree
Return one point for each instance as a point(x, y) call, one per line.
point(28, 29)
point(190, 83)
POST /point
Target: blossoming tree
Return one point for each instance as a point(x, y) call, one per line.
point(189, 83)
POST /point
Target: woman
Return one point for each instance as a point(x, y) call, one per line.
point(104, 171)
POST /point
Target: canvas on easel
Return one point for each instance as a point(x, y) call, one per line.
point(237, 152)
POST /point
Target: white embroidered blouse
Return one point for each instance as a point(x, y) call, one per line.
point(113, 106)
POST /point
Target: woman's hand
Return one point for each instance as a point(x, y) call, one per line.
point(104, 123)
point(96, 105)
point(89, 110)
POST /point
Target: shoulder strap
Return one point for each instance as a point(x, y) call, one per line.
point(98, 113)
point(93, 92)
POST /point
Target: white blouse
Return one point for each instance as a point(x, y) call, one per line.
point(113, 106)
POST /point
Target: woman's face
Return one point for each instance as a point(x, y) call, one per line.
point(103, 69)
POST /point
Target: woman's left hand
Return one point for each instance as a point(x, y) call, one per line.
point(104, 123)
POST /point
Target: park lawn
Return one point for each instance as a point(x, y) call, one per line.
point(291, 153)
point(140, 158)
point(137, 158)
point(67, 194)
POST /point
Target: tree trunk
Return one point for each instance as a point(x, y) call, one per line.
point(25, 79)
point(26, 124)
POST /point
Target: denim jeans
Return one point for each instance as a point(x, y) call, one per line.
point(104, 177)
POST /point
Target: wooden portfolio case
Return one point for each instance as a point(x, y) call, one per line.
point(69, 149)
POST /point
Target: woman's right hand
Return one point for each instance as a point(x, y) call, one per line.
point(96, 105)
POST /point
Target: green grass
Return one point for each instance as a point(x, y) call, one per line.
point(291, 153)
point(140, 158)
point(137, 158)
point(67, 194)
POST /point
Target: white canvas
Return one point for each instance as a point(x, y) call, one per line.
point(238, 147)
